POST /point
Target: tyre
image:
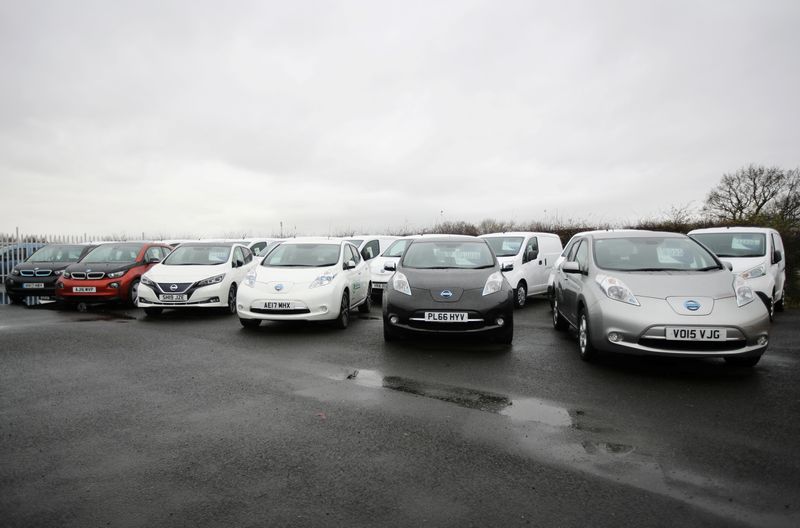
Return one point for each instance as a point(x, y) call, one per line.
point(366, 306)
point(389, 333)
point(559, 323)
point(153, 312)
point(250, 323)
point(585, 347)
point(779, 304)
point(232, 299)
point(750, 361)
point(520, 295)
point(133, 292)
point(343, 320)
point(505, 336)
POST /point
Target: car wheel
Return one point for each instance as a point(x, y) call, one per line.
point(232, 299)
point(520, 295)
point(133, 293)
point(153, 312)
point(779, 304)
point(750, 361)
point(585, 347)
point(366, 306)
point(344, 312)
point(559, 323)
point(16, 299)
point(505, 336)
point(250, 323)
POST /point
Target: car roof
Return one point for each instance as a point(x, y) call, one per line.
point(315, 240)
point(211, 244)
point(518, 233)
point(447, 238)
point(633, 233)
point(733, 229)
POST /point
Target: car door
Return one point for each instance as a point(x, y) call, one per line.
point(238, 266)
point(361, 275)
point(532, 266)
point(570, 284)
point(778, 267)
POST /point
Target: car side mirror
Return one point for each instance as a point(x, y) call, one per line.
point(350, 264)
point(508, 266)
point(390, 266)
point(571, 267)
point(776, 256)
point(728, 265)
point(153, 260)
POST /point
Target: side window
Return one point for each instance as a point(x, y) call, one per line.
point(570, 251)
point(258, 248)
point(371, 250)
point(531, 250)
point(153, 253)
point(347, 254)
point(582, 255)
point(354, 252)
point(165, 252)
point(248, 257)
point(237, 254)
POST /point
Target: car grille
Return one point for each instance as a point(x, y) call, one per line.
point(701, 346)
point(36, 273)
point(281, 312)
point(181, 287)
point(94, 275)
point(77, 275)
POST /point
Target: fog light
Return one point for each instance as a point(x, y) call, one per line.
point(214, 299)
point(762, 340)
point(60, 285)
point(323, 308)
point(615, 337)
point(240, 306)
point(114, 285)
point(394, 319)
point(500, 321)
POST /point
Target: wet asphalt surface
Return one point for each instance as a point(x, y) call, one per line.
point(110, 418)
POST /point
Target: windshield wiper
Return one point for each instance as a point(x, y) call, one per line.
point(325, 265)
point(483, 267)
point(709, 268)
point(651, 269)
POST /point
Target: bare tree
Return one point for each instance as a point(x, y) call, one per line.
point(752, 194)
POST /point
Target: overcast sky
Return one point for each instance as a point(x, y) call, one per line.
point(213, 118)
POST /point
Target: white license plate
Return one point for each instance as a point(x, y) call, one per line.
point(173, 297)
point(446, 317)
point(278, 305)
point(683, 333)
point(378, 286)
point(33, 285)
point(84, 289)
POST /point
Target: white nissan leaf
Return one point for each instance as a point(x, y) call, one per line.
point(306, 279)
point(196, 275)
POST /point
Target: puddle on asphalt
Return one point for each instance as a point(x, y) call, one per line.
point(519, 409)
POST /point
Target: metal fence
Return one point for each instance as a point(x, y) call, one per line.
point(16, 247)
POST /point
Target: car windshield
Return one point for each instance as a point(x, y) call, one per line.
point(653, 254)
point(303, 255)
point(397, 248)
point(356, 242)
point(57, 254)
point(198, 256)
point(125, 253)
point(447, 255)
point(505, 246)
point(734, 244)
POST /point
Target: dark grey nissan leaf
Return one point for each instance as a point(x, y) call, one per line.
point(448, 284)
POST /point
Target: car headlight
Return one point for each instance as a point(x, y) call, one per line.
point(146, 281)
point(324, 279)
point(754, 273)
point(66, 274)
point(400, 283)
point(58, 272)
point(250, 278)
point(616, 289)
point(216, 279)
point(744, 293)
point(494, 283)
point(15, 272)
point(116, 274)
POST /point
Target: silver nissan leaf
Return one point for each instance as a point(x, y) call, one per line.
point(656, 293)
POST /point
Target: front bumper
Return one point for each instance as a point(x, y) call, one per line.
point(16, 285)
point(643, 328)
point(482, 311)
point(105, 291)
point(313, 304)
point(213, 296)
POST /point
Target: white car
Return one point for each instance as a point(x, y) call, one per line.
point(533, 256)
point(757, 256)
point(378, 273)
point(370, 246)
point(196, 275)
point(261, 246)
point(306, 279)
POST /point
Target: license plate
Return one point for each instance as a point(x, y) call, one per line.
point(681, 333)
point(33, 285)
point(173, 297)
point(84, 289)
point(378, 286)
point(278, 305)
point(446, 317)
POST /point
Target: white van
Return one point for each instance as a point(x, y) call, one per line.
point(757, 256)
point(533, 256)
point(371, 246)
